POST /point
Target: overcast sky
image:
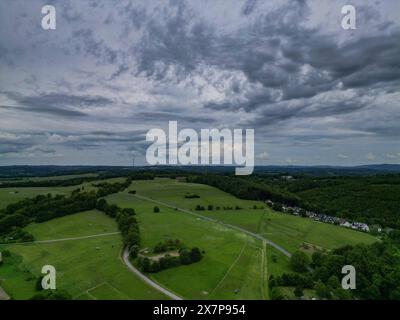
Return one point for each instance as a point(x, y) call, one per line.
point(87, 92)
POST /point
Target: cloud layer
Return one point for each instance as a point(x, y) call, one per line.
point(87, 92)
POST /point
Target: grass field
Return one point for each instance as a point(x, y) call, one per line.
point(11, 195)
point(235, 265)
point(173, 192)
point(87, 268)
point(288, 231)
point(231, 267)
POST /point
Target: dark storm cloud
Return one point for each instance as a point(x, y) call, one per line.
point(46, 110)
point(96, 138)
point(64, 100)
point(272, 52)
point(249, 6)
point(173, 40)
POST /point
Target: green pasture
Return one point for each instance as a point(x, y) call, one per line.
point(87, 268)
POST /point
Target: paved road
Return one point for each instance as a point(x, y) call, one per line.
point(125, 257)
point(252, 234)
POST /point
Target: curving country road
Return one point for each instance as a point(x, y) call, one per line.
point(125, 258)
point(231, 226)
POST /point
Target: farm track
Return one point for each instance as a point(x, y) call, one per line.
point(67, 239)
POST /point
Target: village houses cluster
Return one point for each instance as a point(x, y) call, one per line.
point(323, 217)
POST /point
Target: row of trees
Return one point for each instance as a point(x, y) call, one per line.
point(211, 207)
point(191, 196)
point(46, 183)
point(127, 224)
point(106, 188)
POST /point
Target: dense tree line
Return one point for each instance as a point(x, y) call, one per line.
point(245, 189)
point(106, 188)
point(377, 266)
point(377, 272)
point(46, 183)
point(26, 183)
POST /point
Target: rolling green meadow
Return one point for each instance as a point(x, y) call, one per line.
point(234, 265)
point(231, 260)
point(86, 268)
point(11, 195)
point(288, 231)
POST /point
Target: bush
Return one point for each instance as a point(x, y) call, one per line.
point(195, 255)
point(38, 284)
point(52, 295)
point(191, 196)
point(184, 256)
point(156, 209)
point(298, 291)
point(299, 261)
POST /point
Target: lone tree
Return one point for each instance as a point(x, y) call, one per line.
point(156, 209)
point(299, 261)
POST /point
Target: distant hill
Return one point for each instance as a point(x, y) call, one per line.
point(42, 171)
point(332, 170)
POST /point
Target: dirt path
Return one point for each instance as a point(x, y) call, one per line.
point(78, 238)
point(65, 239)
